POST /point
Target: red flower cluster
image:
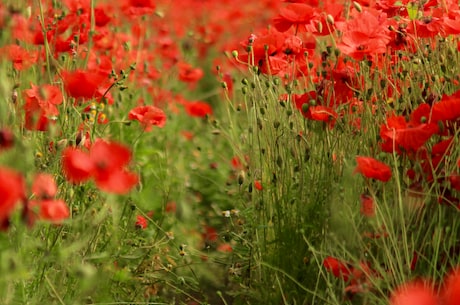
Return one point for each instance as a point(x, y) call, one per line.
point(356, 277)
point(105, 162)
point(42, 206)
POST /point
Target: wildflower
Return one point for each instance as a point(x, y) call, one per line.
point(372, 168)
point(148, 116)
point(225, 247)
point(77, 165)
point(210, 234)
point(414, 293)
point(141, 222)
point(189, 74)
point(235, 212)
point(44, 186)
point(198, 109)
point(84, 85)
point(258, 185)
point(366, 34)
point(21, 58)
point(367, 205)
point(398, 134)
point(359, 279)
point(105, 162)
point(12, 190)
point(41, 106)
point(450, 293)
point(295, 14)
point(270, 43)
point(53, 210)
point(337, 267)
point(447, 109)
point(321, 113)
point(135, 8)
point(109, 160)
point(44, 206)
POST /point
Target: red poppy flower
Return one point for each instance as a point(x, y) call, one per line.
point(83, 84)
point(447, 109)
point(12, 190)
point(41, 106)
point(411, 138)
point(189, 74)
point(225, 247)
point(210, 234)
point(105, 162)
point(141, 222)
point(398, 134)
point(338, 268)
point(321, 113)
point(269, 44)
point(372, 168)
point(148, 116)
point(367, 205)
point(258, 185)
point(236, 163)
point(77, 165)
point(53, 210)
point(109, 171)
point(414, 293)
point(427, 26)
point(295, 14)
point(136, 8)
point(366, 34)
point(44, 186)
point(21, 58)
point(198, 109)
point(450, 293)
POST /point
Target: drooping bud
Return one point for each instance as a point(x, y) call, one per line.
point(241, 177)
point(357, 6)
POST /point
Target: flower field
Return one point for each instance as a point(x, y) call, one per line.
point(230, 152)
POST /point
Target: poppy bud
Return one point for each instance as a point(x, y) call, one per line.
point(357, 6)
point(6, 139)
point(319, 27)
point(241, 177)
